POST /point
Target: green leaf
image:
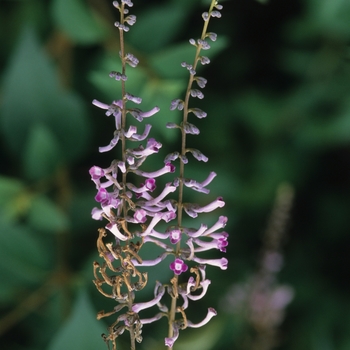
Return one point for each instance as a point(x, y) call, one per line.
point(9, 189)
point(46, 216)
point(32, 96)
point(320, 134)
point(81, 330)
point(111, 88)
point(24, 259)
point(160, 93)
point(204, 338)
point(332, 17)
point(14, 198)
point(157, 26)
point(80, 212)
point(18, 243)
point(41, 154)
point(261, 113)
point(187, 5)
point(70, 124)
point(77, 20)
point(167, 62)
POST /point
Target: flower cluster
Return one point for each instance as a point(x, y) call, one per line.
point(133, 212)
point(261, 300)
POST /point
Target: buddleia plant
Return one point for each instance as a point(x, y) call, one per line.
point(136, 212)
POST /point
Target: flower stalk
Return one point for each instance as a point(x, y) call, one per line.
point(134, 210)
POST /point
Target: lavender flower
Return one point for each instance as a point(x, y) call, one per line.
point(198, 240)
point(133, 211)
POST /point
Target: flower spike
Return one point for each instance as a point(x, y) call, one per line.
point(142, 209)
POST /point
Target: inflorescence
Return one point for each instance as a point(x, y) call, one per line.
point(133, 211)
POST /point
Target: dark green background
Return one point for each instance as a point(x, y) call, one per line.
point(278, 104)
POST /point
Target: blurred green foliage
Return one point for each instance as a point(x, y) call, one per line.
point(278, 111)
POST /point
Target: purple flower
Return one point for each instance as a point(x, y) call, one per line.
point(100, 104)
point(130, 58)
point(118, 76)
point(201, 82)
point(169, 342)
point(196, 233)
point(156, 234)
point(152, 319)
point(190, 129)
point(153, 262)
point(221, 223)
point(212, 36)
point(222, 263)
point(197, 154)
point(177, 104)
point(131, 131)
point(193, 209)
point(167, 189)
point(149, 185)
point(156, 218)
point(205, 45)
point(96, 214)
point(139, 115)
point(168, 168)
point(197, 93)
point(137, 137)
point(133, 210)
point(211, 313)
point(171, 157)
point(205, 16)
point(178, 266)
point(204, 60)
point(102, 195)
point(96, 172)
point(175, 236)
point(205, 284)
point(133, 98)
point(113, 109)
point(220, 243)
point(152, 147)
point(111, 145)
point(114, 229)
point(200, 186)
point(140, 216)
point(158, 243)
point(168, 216)
point(216, 14)
point(218, 203)
point(130, 20)
point(198, 112)
point(160, 290)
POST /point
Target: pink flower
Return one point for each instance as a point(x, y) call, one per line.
point(175, 236)
point(96, 172)
point(140, 216)
point(102, 195)
point(178, 266)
